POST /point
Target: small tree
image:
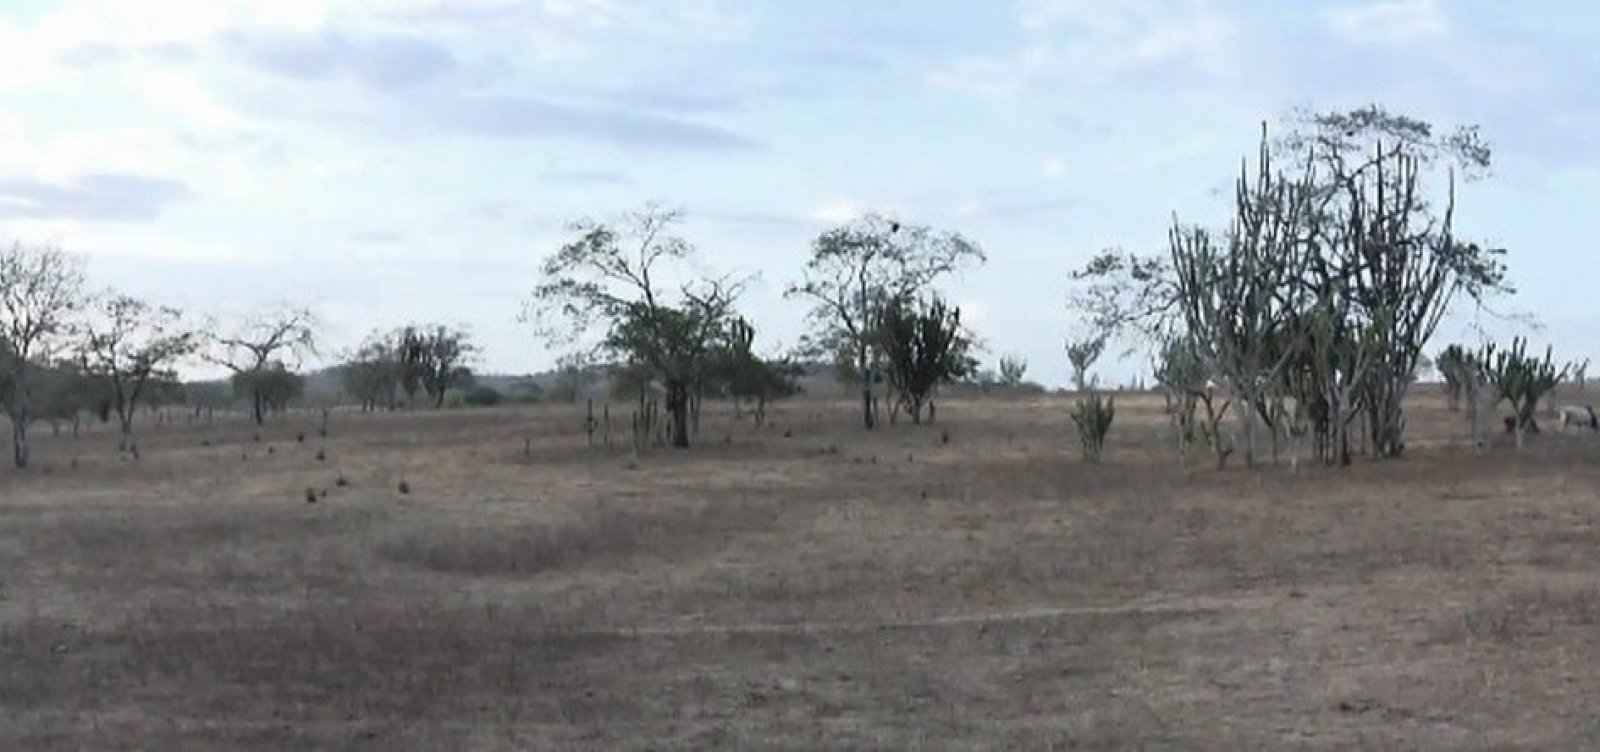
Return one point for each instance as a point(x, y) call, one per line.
point(40, 289)
point(64, 391)
point(439, 355)
point(744, 375)
point(371, 375)
point(1012, 371)
point(608, 277)
point(574, 373)
point(1522, 381)
point(1459, 369)
point(270, 388)
point(1182, 378)
point(262, 344)
point(923, 346)
point(857, 269)
point(1082, 355)
point(1093, 414)
point(131, 346)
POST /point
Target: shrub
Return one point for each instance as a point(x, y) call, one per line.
point(1093, 416)
point(481, 396)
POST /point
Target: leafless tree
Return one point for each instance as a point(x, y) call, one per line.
point(269, 341)
point(41, 288)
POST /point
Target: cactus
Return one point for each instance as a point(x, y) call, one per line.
point(589, 424)
point(1093, 415)
point(1521, 380)
point(647, 423)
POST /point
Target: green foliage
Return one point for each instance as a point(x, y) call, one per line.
point(527, 393)
point(739, 372)
point(66, 390)
point(372, 374)
point(131, 346)
point(1093, 415)
point(858, 269)
point(273, 386)
point(1082, 355)
point(924, 346)
point(482, 396)
point(606, 280)
point(1012, 371)
point(433, 357)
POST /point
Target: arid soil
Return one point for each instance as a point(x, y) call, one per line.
point(807, 585)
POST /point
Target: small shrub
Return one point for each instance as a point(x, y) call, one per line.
point(1093, 416)
point(482, 396)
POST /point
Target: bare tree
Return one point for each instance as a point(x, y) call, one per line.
point(266, 342)
point(127, 343)
point(41, 288)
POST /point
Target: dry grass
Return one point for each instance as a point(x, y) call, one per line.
point(801, 586)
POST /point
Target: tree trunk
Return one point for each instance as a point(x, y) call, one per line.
point(19, 437)
point(126, 440)
point(694, 409)
point(257, 406)
point(1248, 415)
point(678, 414)
point(869, 417)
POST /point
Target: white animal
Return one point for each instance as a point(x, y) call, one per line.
point(1582, 416)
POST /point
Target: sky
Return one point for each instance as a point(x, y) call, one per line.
point(392, 161)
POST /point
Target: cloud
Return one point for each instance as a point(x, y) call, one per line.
point(1021, 208)
point(528, 117)
point(587, 177)
point(95, 198)
point(376, 237)
point(845, 59)
point(383, 61)
point(93, 53)
point(770, 220)
point(1102, 44)
point(1388, 21)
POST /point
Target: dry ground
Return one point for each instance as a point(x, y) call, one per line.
point(805, 586)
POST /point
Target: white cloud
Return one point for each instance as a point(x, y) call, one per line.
point(1094, 43)
point(1388, 21)
point(1053, 168)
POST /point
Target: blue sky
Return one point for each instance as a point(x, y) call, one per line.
point(386, 162)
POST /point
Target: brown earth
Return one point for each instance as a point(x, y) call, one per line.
point(802, 586)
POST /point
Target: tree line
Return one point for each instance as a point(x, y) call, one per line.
point(1303, 315)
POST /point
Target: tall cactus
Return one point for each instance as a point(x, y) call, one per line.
point(1459, 369)
point(1521, 380)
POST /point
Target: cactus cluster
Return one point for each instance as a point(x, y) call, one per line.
point(1522, 380)
point(1093, 415)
